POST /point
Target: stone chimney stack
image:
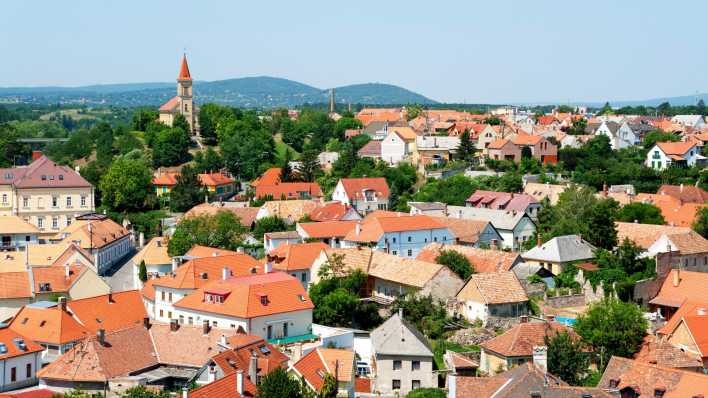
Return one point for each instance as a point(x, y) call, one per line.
point(253, 368)
point(205, 327)
point(62, 303)
point(239, 382)
point(540, 357)
point(101, 336)
point(676, 277)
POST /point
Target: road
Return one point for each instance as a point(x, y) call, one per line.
point(120, 278)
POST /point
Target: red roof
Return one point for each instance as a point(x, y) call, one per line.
point(225, 388)
point(214, 179)
point(170, 105)
point(289, 190)
point(41, 393)
point(184, 70)
point(7, 337)
point(355, 187)
point(167, 179)
point(42, 173)
point(269, 177)
point(520, 340)
point(297, 256)
point(332, 211)
point(109, 312)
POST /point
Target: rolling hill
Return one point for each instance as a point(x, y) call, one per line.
point(254, 92)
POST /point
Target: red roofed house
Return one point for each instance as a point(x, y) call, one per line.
point(334, 211)
point(269, 185)
point(364, 194)
point(666, 154)
point(296, 259)
point(183, 102)
point(45, 194)
point(322, 361)
point(163, 182)
point(516, 346)
point(513, 148)
point(274, 306)
point(218, 184)
point(688, 331)
point(678, 288)
point(504, 201)
point(20, 359)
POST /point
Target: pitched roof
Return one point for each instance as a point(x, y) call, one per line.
point(355, 187)
point(645, 378)
point(184, 69)
point(171, 105)
point(242, 347)
point(644, 235)
point(660, 352)
point(327, 229)
point(398, 337)
point(526, 139)
point(93, 234)
point(691, 287)
point(562, 249)
point(501, 200)
point(125, 351)
point(56, 277)
point(43, 173)
point(498, 143)
point(269, 177)
point(247, 215)
point(292, 210)
point(298, 256)
point(15, 285)
point(500, 219)
point(494, 288)
point(289, 190)
point(199, 272)
point(689, 242)
point(251, 296)
point(224, 387)
point(199, 251)
point(406, 133)
point(194, 347)
point(16, 225)
point(8, 338)
point(404, 271)
point(42, 255)
point(372, 228)
point(38, 393)
point(48, 325)
point(167, 179)
point(370, 149)
point(465, 230)
point(675, 148)
point(332, 211)
point(520, 340)
point(109, 312)
point(215, 179)
point(483, 260)
point(320, 361)
point(684, 193)
point(154, 253)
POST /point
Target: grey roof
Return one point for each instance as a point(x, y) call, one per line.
point(428, 205)
point(398, 337)
point(500, 219)
point(625, 188)
point(562, 249)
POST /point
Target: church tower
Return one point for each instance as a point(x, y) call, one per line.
point(184, 92)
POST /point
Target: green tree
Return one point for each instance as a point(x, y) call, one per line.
point(10, 149)
point(606, 109)
point(701, 108)
point(142, 117)
point(467, 147)
point(644, 213)
point(457, 262)
point(222, 230)
point(180, 122)
point(309, 166)
point(103, 135)
point(429, 316)
point(567, 357)
point(427, 393)
point(246, 146)
point(142, 392)
point(269, 224)
point(612, 328)
point(286, 172)
point(142, 272)
point(170, 147)
point(330, 387)
point(601, 230)
point(664, 109)
point(126, 185)
point(655, 136)
point(188, 191)
point(208, 160)
point(701, 223)
point(278, 384)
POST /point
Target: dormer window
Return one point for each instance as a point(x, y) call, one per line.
point(263, 298)
point(61, 177)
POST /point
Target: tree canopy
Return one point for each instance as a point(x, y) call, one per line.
point(222, 230)
point(457, 262)
point(126, 185)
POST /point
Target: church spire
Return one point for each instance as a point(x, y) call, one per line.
point(184, 70)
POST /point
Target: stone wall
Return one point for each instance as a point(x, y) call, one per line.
point(571, 300)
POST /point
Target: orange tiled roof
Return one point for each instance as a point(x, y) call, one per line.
point(199, 251)
point(166, 179)
point(48, 325)
point(7, 337)
point(170, 105)
point(215, 179)
point(644, 235)
point(373, 228)
point(188, 346)
point(269, 177)
point(15, 285)
point(242, 347)
point(645, 378)
point(494, 287)
point(483, 260)
point(684, 193)
point(520, 340)
point(200, 271)
point(663, 353)
point(332, 211)
point(299, 256)
point(56, 277)
point(289, 190)
point(675, 148)
point(93, 234)
point(354, 187)
point(526, 139)
point(327, 229)
point(691, 287)
point(225, 387)
point(498, 143)
point(184, 70)
point(109, 312)
point(320, 361)
point(245, 296)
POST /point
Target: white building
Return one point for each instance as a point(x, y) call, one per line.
point(667, 154)
point(19, 359)
point(515, 227)
point(363, 194)
point(398, 144)
point(695, 121)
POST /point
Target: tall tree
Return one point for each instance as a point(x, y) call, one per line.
point(126, 185)
point(606, 109)
point(567, 357)
point(457, 262)
point(701, 223)
point(330, 387)
point(187, 192)
point(309, 166)
point(644, 213)
point(286, 173)
point(278, 384)
point(171, 147)
point(467, 148)
point(600, 229)
point(142, 272)
point(208, 160)
point(180, 122)
point(142, 117)
point(222, 230)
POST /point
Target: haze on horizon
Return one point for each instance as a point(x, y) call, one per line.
point(474, 52)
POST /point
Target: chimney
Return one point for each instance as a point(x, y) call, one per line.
point(205, 327)
point(146, 322)
point(268, 268)
point(604, 189)
point(101, 336)
point(215, 254)
point(540, 357)
point(174, 326)
point(538, 239)
point(62, 303)
point(524, 319)
point(225, 273)
point(239, 382)
point(681, 188)
point(222, 340)
point(175, 264)
point(677, 277)
point(297, 352)
point(110, 298)
point(358, 228)
point(67, 271)
point(141, 239)
point(253, 368)
point(185, 392)
point(36, 155)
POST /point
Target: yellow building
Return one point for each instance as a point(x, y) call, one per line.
point(45, 194)
point(164, 182)
point(183, 102)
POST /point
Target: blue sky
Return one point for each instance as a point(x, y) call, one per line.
point(473, 51)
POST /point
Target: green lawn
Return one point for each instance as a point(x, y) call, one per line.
point(280, 147)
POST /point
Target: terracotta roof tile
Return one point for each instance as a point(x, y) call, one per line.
point(662, 353)
point(200, 271)
point(374, 227)
point(644, 235)
point(225, 388)
point(327, 229)
point(269, 177)
point(215, 179)
point(494, 287)
point(299, 256)
point(194, 347)
point(170, 105)
point(48, 325)
point(44, 173)
point(691, 287)
point(483, 260)
point(289, 190)
point(675, 148)
point(247, 215)
point(184, 70)
point(332, 211)
point(321, 361)
point(166, 179)
point(110, 312)
point(8, 338)
point(56, 277)
point(15, 285)
point(644, 378)
point(290, 210)
point(520, 340)
point(93, 234)
point(154, 253)
point(354, 187)
point(685, 193)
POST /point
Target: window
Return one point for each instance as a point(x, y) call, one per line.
point(83, 201)
point(68, 220)
point(25, 201)
point(410, 253)
point(55, 201)
point(415, 365)
point(394, 252)
point(170, 297)
point(410, 238)
point(40, 202)
point(435, 239)
point(303, 277)
point(161, 313)
point(214, 324)
point(40, 222)
point(4, 198)
point(13, 374)
point(415, 384)
point(68, 201)
point(29, 370)
point(397, 365)
point(181, 319)
point(190, 320)
point(55, 222)
point(396, 384)
point(163, 296)
point(169, 314)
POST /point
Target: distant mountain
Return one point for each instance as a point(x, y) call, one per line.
point(255, 92)
point(679, 101)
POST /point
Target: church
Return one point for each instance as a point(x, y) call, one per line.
point(183, 102)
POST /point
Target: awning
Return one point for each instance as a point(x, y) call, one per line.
point(293, 339)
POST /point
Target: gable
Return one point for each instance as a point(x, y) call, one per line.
point(681, 337)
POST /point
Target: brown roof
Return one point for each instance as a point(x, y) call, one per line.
point(332, 211)
point(43, 173)
point(644, 235)
point(689, 243)
point(494, 287)
point(320, 361)
point(93, 234)
point(154, 253)
point(520, 340)
point(465, 230)
point(194, 348)
point(242, 347)
point(685, 193)
point(404, 271)
point(110, 312)
point(290, 210)
point(483, 260)
point(646, 378)
point(298, 256)
point(251, 296)
point(247, 215)
point(327, 229)
point(662, 353)
point(371, 148)
point(354, 187)
point(48, 325)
